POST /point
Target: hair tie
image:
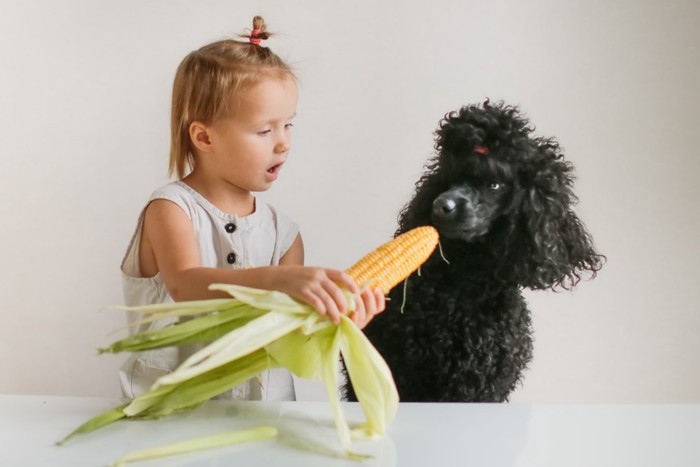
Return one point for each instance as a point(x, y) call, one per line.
point(255, 37)
point(481, 150)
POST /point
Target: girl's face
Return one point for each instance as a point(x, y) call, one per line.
point(250, 147)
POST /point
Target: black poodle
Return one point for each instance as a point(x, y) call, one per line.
point(460, 330)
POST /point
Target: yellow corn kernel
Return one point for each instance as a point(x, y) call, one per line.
point(395, 260)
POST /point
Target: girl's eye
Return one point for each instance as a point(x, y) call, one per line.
point(495, 186)
point(289, 125)
point(264, 132)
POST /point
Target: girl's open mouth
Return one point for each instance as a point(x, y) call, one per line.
point(273, 171)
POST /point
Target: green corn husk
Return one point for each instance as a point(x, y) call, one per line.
point(204, 329)
point(104, 419)
point(301, 353)
point(197, 444)
point(237, 343)
point(164, 400)
point(371, 378)
point(271, 330)
point(194, 308)
point(189, 308)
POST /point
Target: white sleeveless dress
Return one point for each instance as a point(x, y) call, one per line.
point(225, 241)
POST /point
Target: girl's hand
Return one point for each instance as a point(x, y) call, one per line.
point(319, 287)
point(368, 304)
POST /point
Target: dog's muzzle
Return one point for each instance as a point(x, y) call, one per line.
point(458, 214)
point(444, 207)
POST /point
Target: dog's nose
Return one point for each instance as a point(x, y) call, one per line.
point(444, 206)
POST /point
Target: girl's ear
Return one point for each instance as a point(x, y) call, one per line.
point(200, 137)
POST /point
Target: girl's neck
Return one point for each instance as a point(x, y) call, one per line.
point(229, 198)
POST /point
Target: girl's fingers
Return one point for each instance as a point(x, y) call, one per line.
point(373, 303)
point(315, 302)
point(343, 279)
point(331, 305)
point(360, 314)
point(381, 300)
point(337, 295)
point(325, 295)
point(370, 302)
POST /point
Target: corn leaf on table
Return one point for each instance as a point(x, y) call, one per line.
point(422, 434)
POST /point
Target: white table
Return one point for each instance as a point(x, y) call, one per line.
point(423, 434)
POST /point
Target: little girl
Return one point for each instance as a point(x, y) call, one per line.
point(232, 111)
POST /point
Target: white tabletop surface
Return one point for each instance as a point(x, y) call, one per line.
point(422, 434)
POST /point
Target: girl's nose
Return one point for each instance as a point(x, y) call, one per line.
point(283, 144)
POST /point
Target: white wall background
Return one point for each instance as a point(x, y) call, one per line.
point(84, 96)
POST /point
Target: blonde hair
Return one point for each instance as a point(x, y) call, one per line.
point(207, 79)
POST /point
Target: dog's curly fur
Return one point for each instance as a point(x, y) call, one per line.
point(502, 201)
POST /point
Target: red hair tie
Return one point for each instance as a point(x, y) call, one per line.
point(481, 150)
point(254, 39)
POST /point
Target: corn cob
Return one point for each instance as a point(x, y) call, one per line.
point(395, 260)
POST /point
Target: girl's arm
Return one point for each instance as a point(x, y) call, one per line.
point(168, 246)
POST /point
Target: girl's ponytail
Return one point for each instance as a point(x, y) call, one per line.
point(259, 31)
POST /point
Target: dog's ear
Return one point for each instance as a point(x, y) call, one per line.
point(551, 246)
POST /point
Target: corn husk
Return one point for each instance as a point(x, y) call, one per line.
point(271, 330)
point(197, 444)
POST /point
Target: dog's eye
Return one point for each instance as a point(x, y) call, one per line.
point(495, 186)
